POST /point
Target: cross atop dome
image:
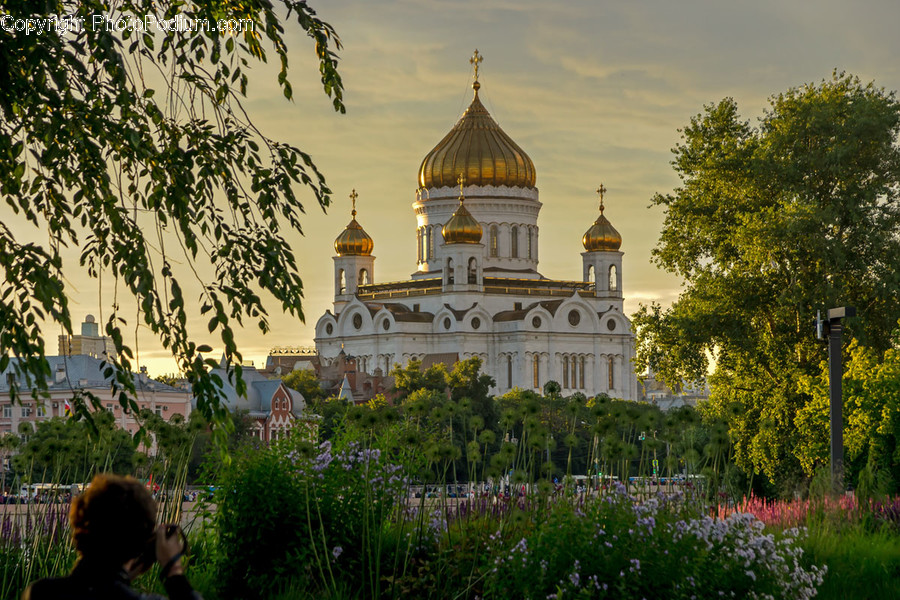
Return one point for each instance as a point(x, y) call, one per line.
point(475, 61)
point(354, 196)
point(461, 180)
point(600, 192)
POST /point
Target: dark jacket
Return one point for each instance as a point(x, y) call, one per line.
point(87, 582)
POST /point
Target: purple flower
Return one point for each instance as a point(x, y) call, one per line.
point(336, 552)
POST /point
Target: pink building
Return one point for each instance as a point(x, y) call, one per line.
point(71, 375)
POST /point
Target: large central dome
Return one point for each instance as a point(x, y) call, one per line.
point(479, 150)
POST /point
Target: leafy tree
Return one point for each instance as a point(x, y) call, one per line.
point(70, 451)
point(771, 224)
point(871, 389)
point(411, 378)
point(305, 382)
point(138, 181)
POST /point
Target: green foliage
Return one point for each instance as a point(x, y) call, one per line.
point(770, 225)
point(871, 390)
point(305, 382)
point(138, 181)
point(68, 451)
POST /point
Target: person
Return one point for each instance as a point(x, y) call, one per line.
point(114, 531)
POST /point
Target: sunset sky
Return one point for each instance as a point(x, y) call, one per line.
point(593, 91)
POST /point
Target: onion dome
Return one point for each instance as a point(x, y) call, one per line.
point(602, 236)
point(479, 150)
point(462, 228)
point(353, 240)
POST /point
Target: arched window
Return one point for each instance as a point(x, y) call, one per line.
point(342, 282)
point(581, 374)
point(529, 243)
point(494, 236)
point(419, 244)
point(610, 367)
point(509, 371)
point(536, 370)
point(426, 236)
point(565, 377)
point(473, 271)
point(613, 278)
point(514, 242)
point(450, 277)
point(591, 275)
point(431, 243)
point(363, 277)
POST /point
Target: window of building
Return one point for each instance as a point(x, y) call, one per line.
point(363, 277)
point(109, 408)
point(494, 236)
point(342, 284)
point(42, 411)
point(426, 235)
point(613, 278)
point(473, 271)
point(158, 411)
point(565, 377)
point(590, 275)
point(419, 244)
point(610, 368)
point(450, 276)
point(536, 369)
point(431, 244)
point(581, 374)
point(529, 243)
point(514, 242)
point(7, 411)
point(509, 372)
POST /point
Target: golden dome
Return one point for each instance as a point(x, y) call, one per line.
point(462, 228)
point(353, 240)
point(479, 150)
point(602, 236)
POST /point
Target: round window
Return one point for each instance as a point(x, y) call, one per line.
point(329, 329)
point(611, 325)
point(536, 322)
point(476, 323)
point(574, 318)
point(447, 323)
point(385, 324)
point(357, 321)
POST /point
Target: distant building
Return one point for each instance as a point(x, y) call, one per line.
point(71, 375)
point(283, 360)
point(275, 409)
point(659, 394)
point(89, 343)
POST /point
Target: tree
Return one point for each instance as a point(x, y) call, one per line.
point(139, 181)
point(770, 225)
point(871, 415)
point(305, 382)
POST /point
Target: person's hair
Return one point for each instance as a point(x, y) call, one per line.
point(113, 519)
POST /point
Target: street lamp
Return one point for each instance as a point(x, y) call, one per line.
point(832, 327)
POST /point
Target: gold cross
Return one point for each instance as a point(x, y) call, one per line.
point(600, 191)
point(461, 180)
point(474, 61)
point(353, 197)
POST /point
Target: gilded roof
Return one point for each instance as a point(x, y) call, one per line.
point(480, 151)
point(353, 240)
point(462, 228)
point(602, 236)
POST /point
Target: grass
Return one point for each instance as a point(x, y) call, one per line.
point(861, 564)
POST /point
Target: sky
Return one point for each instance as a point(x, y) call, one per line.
point(594, 91)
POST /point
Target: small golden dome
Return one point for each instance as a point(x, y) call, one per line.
point(602, 236)
point(478, 149)
point(353, 240)
point(462, 228)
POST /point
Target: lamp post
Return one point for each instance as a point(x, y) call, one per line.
point(832, 327)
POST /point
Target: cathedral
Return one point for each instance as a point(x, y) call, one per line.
point(476, 290)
